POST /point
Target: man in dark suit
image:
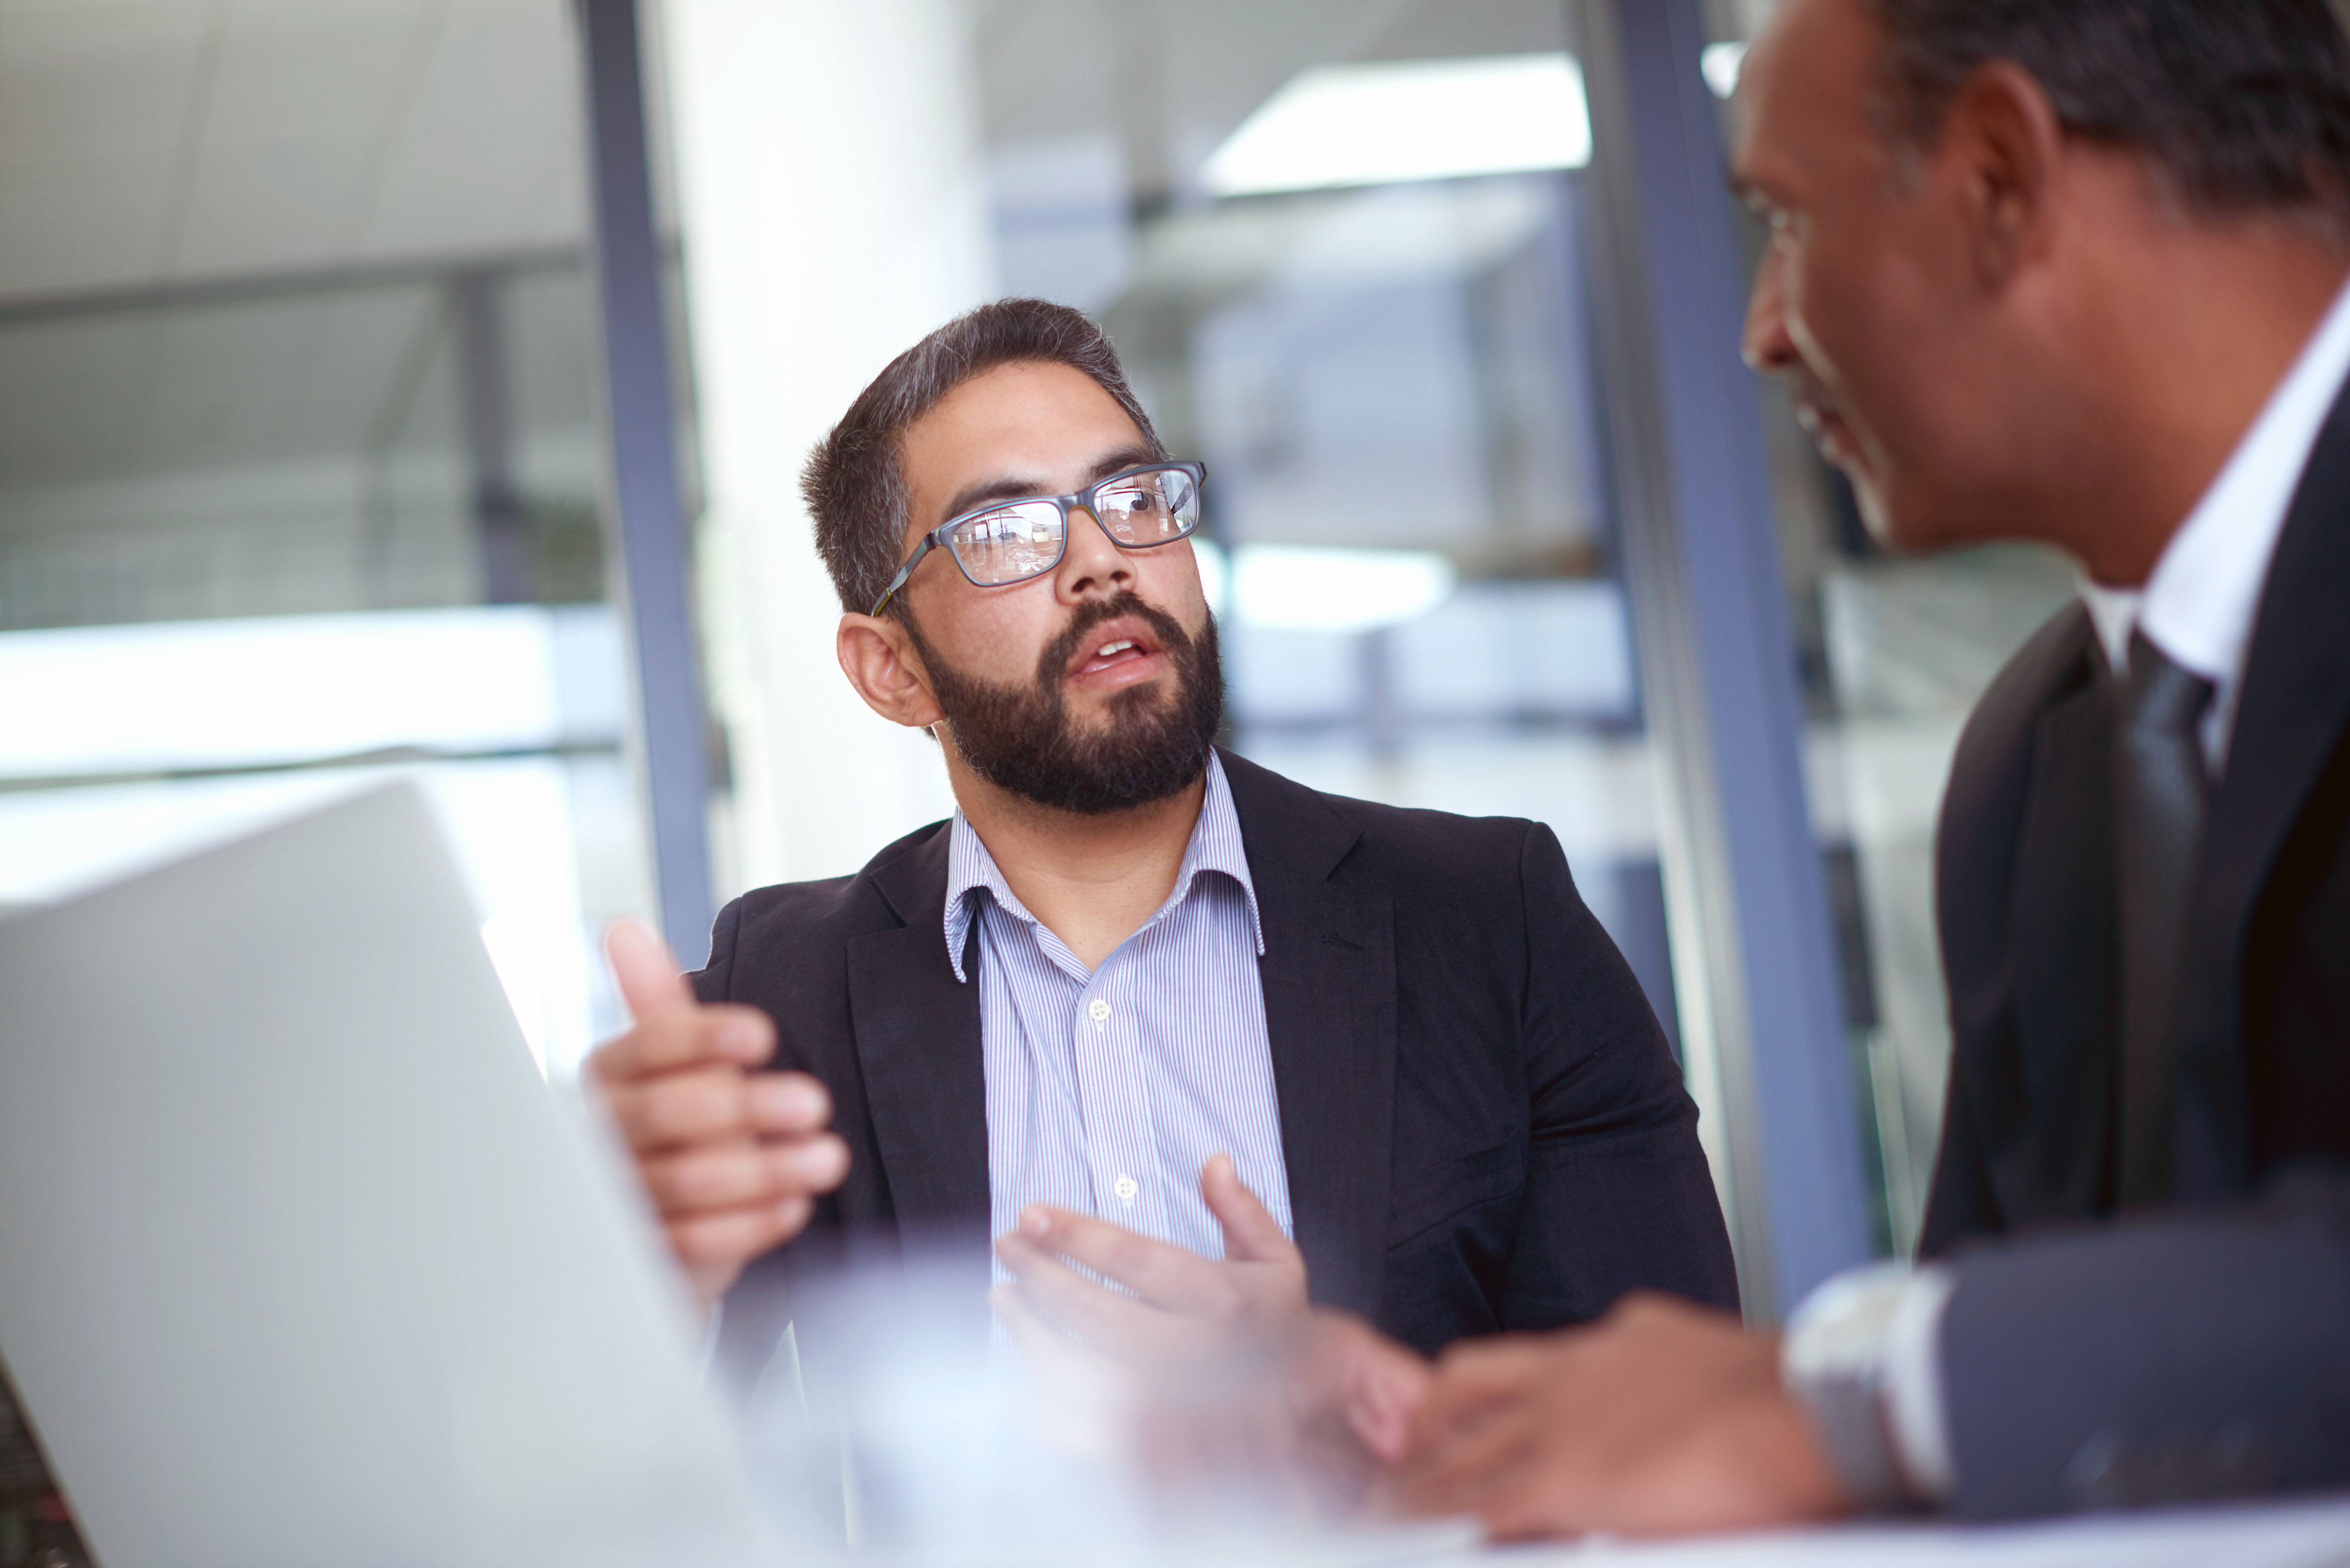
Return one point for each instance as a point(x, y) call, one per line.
point(2074, 272)
point(1422, 1082)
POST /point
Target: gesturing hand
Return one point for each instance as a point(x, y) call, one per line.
point(1184, 1307)
point(1223, 1368)
point(732, 1159)
point(1663, 1419)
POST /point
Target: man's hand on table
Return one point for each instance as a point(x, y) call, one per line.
point(733, 1158)
point(1663, 1418)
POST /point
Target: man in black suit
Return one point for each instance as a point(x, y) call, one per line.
point(1446, 1102)
point(2070, 271)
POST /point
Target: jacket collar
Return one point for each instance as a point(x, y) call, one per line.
point(1329, 984)
point(2293, 713)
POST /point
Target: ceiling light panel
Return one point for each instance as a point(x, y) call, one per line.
point(1390, 121)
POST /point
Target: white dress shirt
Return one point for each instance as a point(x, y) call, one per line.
point(2199, 608)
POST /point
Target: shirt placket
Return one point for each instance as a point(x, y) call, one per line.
point(1115, 1094)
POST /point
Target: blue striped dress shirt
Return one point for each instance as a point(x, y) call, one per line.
point(1109, 1088)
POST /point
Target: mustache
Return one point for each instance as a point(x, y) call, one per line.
point(1054, 660)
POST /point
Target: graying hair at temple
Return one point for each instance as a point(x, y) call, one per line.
point(854, 483)
point(2241, 106)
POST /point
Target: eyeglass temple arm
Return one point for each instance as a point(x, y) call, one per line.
point(920, 550)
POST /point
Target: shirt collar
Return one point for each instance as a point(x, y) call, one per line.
point(2200, 605)
point(1215, 845)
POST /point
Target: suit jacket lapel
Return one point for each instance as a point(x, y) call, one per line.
point(2064, 956)
point(2293, 709)
point(1329, 981)
point(918, 1042)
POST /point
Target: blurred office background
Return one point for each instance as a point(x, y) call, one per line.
point(420, 385)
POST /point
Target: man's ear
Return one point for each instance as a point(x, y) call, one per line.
point(2003, 143)
point(878, 658)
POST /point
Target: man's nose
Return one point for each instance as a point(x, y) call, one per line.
point(1092, 564)
point(1766, 344)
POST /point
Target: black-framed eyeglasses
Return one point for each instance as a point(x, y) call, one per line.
point(1008, 542)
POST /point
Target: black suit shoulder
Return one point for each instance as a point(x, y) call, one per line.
point(803, 923)
point(1412, 849)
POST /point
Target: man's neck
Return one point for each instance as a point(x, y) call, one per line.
point(2197, 336)
point(1092, 881)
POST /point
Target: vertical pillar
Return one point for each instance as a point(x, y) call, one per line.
point(642, 426)
point(501, 529)
point(832, 187)
point(1754, 951)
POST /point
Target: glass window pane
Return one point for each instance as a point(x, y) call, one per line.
point(299, 466)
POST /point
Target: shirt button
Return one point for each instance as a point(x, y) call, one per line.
point(1098, 1010)
point(1126, 1187)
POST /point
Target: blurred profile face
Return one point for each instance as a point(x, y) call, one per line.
point(1861, 301)
point(1096, 686)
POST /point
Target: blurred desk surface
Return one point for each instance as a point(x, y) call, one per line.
point(2287, 1535)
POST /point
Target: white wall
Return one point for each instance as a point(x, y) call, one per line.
point(831, 197)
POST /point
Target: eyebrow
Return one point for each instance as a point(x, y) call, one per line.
point(1008, 487)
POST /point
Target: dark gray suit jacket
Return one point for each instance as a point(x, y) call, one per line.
point(2098, 1360)
point(1483, 1126)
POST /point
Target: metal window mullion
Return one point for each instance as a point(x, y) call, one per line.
point(671, 720)
point(1753, 948)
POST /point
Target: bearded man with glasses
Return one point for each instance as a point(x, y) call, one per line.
point(1141, 1008)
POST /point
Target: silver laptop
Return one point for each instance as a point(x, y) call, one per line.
point(300, 1262)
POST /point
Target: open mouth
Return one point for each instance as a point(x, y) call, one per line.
point(1114, 649)
point(1827, 427)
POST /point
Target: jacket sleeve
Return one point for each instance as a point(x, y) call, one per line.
point(1618, 1195)
point(2197, 1355)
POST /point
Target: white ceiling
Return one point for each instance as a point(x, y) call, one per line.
point(150, 141)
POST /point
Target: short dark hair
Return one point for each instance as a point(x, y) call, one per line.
point(2241, 106)
point(855, 481)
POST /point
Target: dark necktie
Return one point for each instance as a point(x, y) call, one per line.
point(2159, 793)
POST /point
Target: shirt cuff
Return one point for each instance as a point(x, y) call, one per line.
point(1914, 1407)
point(1861, 1354)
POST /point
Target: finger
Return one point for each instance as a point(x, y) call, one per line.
point(1471, 1465)
point(738, 1235)
point(787, 1104)
point(686, 1037)
point(682, 1108)
point(1158, 1272)
point(733, 1175)
point(645, 971)
point(1385, 1390)
point(1114, 1322)
point(1536, 1502)
point(1471, 1376)
point(1250, 1232)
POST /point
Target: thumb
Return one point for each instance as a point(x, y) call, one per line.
point(1250, 1232)
point(645, 971)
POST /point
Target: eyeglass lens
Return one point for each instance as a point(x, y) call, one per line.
point(1023, 539)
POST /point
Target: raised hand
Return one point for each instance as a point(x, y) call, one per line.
point(732, 1159)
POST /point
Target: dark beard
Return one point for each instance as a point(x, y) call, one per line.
point(1020, 738)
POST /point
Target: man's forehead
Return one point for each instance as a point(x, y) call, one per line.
point(1024, 428)
point(1801, 92)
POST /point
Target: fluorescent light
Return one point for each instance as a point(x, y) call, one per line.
point(1389, 121)
point(1720, 65)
